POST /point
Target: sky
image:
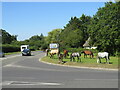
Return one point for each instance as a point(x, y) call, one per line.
point(27, 19)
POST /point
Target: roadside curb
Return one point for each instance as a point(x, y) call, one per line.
point(79, 66)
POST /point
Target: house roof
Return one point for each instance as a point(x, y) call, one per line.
point(86, 44)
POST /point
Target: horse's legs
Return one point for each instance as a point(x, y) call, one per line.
point(84, 55)
point(78, 59)
point(73, 59)
point(64, 55)
point(98, 60)
point(90, 55)
point(50, 55)
point(70, 58)
point(107, 60)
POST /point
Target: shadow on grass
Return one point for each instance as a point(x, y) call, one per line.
point(106, 63)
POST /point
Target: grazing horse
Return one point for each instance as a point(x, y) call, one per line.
point(60, 57)
point(75, 54)
point(47, 50)
point(87, 52)
point(103, 55)
point(65, 53)
point(53, 52)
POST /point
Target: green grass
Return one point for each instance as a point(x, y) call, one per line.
point(85, 62)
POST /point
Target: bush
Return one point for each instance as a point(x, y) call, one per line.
point(81, 49)
point(10, 48)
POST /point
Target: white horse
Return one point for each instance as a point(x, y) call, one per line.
point(53, 52)
point(103, 55)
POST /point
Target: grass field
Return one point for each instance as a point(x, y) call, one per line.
point(85, 62)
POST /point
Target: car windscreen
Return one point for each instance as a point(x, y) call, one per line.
point(26, 50)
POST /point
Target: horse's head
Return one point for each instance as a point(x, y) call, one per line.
point(82, 52)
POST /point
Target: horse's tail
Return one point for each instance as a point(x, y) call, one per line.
point(58, 52)
point(92, 54)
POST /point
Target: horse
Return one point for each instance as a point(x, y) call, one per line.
point(60, 57)
point(53, 52)
point(103, 55)
point(87, 52)
point(47, 51)
point(75, 54)
point(65, 53)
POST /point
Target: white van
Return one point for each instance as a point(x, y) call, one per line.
point(24, 47)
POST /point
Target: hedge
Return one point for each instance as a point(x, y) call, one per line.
point(10, 48)
point(14, 48)
point(81, 49)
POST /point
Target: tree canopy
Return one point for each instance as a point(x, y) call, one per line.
point(75, 32)
point(105, 28)
point(7, 38)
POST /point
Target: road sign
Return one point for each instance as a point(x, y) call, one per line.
point(54, 45)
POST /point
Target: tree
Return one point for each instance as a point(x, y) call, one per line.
point(105, 28)
point(54, 36)
point(75, 32)
point(7, 38)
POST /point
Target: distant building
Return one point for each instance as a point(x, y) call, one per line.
point(86, 45)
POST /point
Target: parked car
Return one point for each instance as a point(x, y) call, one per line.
point(26, 52)
point(2, 54)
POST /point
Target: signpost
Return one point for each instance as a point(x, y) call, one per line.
point(54, 46)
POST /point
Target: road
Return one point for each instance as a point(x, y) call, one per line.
point(28, 72)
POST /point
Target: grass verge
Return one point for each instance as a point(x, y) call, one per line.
point(85, 62)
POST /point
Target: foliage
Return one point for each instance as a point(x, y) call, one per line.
point(7, 38)
point(105, 28)
point(53, 36)
point(10, 48)
point(75, 33)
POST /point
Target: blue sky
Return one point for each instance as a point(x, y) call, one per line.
point(27, 19)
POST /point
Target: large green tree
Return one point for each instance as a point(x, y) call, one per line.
point(105, 28)
point(7, 38)
point(54, 36)
point(75, 32)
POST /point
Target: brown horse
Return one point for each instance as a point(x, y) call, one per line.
point(87, 52)
point(65, 53)
point(60, 57)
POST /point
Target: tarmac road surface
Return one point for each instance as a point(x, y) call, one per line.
point(28, 72)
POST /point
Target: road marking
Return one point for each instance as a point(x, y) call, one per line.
point(97, 79)
point(10, 57)
point(28, 83)
point(25, 67)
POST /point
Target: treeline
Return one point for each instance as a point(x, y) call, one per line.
point(103, 29)
point(11, 44)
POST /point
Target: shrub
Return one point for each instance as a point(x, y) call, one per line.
point(10, 48)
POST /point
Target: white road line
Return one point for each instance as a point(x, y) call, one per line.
point(97, 79)
point(25, 67)
point(28, 83)
point(10, 57)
